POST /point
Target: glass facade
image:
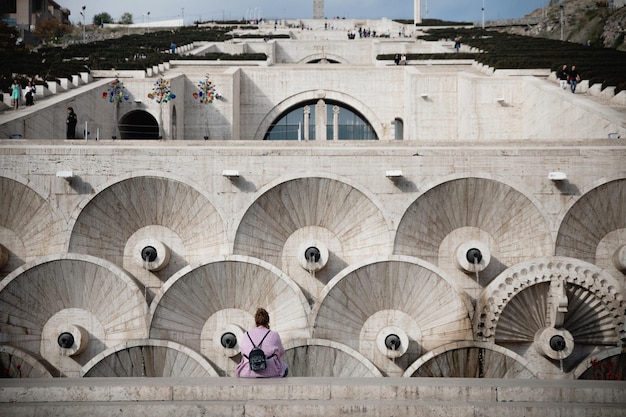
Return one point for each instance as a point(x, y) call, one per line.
point(351, 125)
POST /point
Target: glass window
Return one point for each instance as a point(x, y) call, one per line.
point(351, 124)
point(399, 129)
point(8, 6)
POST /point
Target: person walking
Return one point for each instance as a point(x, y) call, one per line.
point(71, 123)
point(15, 94)
point(574, 78)
point(563, 75)
point(29, 94)
point(271, 345)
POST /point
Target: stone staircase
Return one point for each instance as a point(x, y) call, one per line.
point(398, 397)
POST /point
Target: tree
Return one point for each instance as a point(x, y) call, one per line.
point(126, 19)
point(51, 28)
point(9, 37)
point(102, 18)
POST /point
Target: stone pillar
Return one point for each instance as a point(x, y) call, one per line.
point(307, 122)
point(417, 11)
point(320, 120)
point(318, 9)
point(335, 122)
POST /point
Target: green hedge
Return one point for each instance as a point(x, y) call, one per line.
point(507, 51)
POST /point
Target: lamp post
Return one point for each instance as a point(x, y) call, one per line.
point(83, 14)
point(561, 7)
point(483, 10)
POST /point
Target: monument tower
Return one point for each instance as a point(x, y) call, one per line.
point(318, 9)
point(417, 11)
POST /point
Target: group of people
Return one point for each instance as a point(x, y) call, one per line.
point(568, 76)
point(399, 59)
point(28, 94)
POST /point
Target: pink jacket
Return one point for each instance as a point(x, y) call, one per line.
point(272, 345)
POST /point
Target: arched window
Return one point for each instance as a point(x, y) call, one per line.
point(322, 119)
point(174, 124)
point(399, 129)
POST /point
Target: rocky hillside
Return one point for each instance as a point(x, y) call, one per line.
point(585, 20)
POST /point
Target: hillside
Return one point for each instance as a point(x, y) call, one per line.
point(584, 20)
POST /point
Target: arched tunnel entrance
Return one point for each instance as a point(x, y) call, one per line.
point(139, 124)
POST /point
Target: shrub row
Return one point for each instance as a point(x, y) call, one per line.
point(504, 50)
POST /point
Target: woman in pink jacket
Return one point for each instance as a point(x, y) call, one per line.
point(271, 345)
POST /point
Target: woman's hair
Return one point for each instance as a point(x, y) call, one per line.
point(262, 317)
point(71, 109)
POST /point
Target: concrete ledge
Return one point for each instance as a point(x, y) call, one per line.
point(263, 408)
point(311, 397)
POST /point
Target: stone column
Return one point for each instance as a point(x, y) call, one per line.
point(320, 120)
point(318, 9)
point(335, 122)
point(417, 11)
point(307, 122)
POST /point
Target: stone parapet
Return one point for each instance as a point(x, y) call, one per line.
point(311, 397)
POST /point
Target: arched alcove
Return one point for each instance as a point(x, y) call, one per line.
point(139, 124)
point(398, 125)
point(174, 124)
point(321, 119)
point(312, 97)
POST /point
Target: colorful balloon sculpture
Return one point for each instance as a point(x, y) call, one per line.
point(161, 91)
point(206, 91)
point(116, 92)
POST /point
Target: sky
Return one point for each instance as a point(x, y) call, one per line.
point(191, 10)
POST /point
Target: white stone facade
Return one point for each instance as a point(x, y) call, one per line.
point(456, 241)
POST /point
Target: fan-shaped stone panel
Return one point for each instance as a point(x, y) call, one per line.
point(607, 364)
point(471, 360)
point(190, 299)
point(149, 358)
point(106, 223)
point(56, 295)
point(325, 358)
point(358, 307)
point(595, 307)
point(29, 227)
point(586, 320)
point(16, 363)
point(596, 214)
point(326, 203)
point(511, 219)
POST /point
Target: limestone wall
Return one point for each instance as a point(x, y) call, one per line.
point(394, 256)
point(489, 243)
point(441, 103)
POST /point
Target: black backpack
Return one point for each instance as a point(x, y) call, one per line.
point(256, 358)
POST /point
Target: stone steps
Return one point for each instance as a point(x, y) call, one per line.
point(310, 397)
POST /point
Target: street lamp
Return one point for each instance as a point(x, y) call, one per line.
point(483, 10)
point(561, 7)
point(83, 14)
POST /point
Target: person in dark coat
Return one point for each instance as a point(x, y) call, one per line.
point(574, 78)
point(562, 75)
point(71, 123)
